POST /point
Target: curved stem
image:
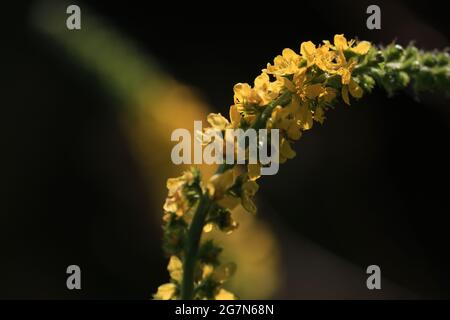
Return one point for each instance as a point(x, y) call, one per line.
point(193, 240)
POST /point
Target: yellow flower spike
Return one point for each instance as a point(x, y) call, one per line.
point(165, 292)
point(303, 79)
point(254, 171)
point(217, 121)
point(175, 268)
point(344, 93)
point(355, 90)
point(225, 295)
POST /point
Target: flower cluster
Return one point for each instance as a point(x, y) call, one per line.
point(290, 95)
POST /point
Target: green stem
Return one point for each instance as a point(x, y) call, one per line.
point(193, 240)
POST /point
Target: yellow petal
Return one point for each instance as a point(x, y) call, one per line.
point(275, 116)
point(355, 90)
point(217, 121)
point(344, 93)
point(208, 227)
point(224, 271)
point(294, 131)
point(235, 116)
point(165, 292)
point(241, 92)
point(319, 115)
point(225, 295)
point(262, 80)
point(175, 268)
point(173, 184)
point(289, 54)
point(340, 42)
point(314, 90)
point(308, 50)
point(362, 48)
point(345, 75)
point(254, 171)
point(304, 117)
point(222, 182)
point(207, 270)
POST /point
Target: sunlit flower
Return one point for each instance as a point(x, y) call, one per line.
point(341, 43)
point(220, 183)
point(224, 295)
point(286, 63)
point(165, 292)
point(175, 268)
point(176, 201)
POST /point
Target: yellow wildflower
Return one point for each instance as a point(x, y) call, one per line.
point(235, 116)
point(207, 270)
point(176, 201)
point(341, 43)
point(321, 56)
point(254, 171)
point(304, 116)
point(244, 94)
point(285, 64)
point(267, 90)
point(220, 183)
point(224, 295)
point(217, 121)
point(165, 292)
point(175, 268)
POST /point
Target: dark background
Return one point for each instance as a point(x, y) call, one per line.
point(370, 186)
